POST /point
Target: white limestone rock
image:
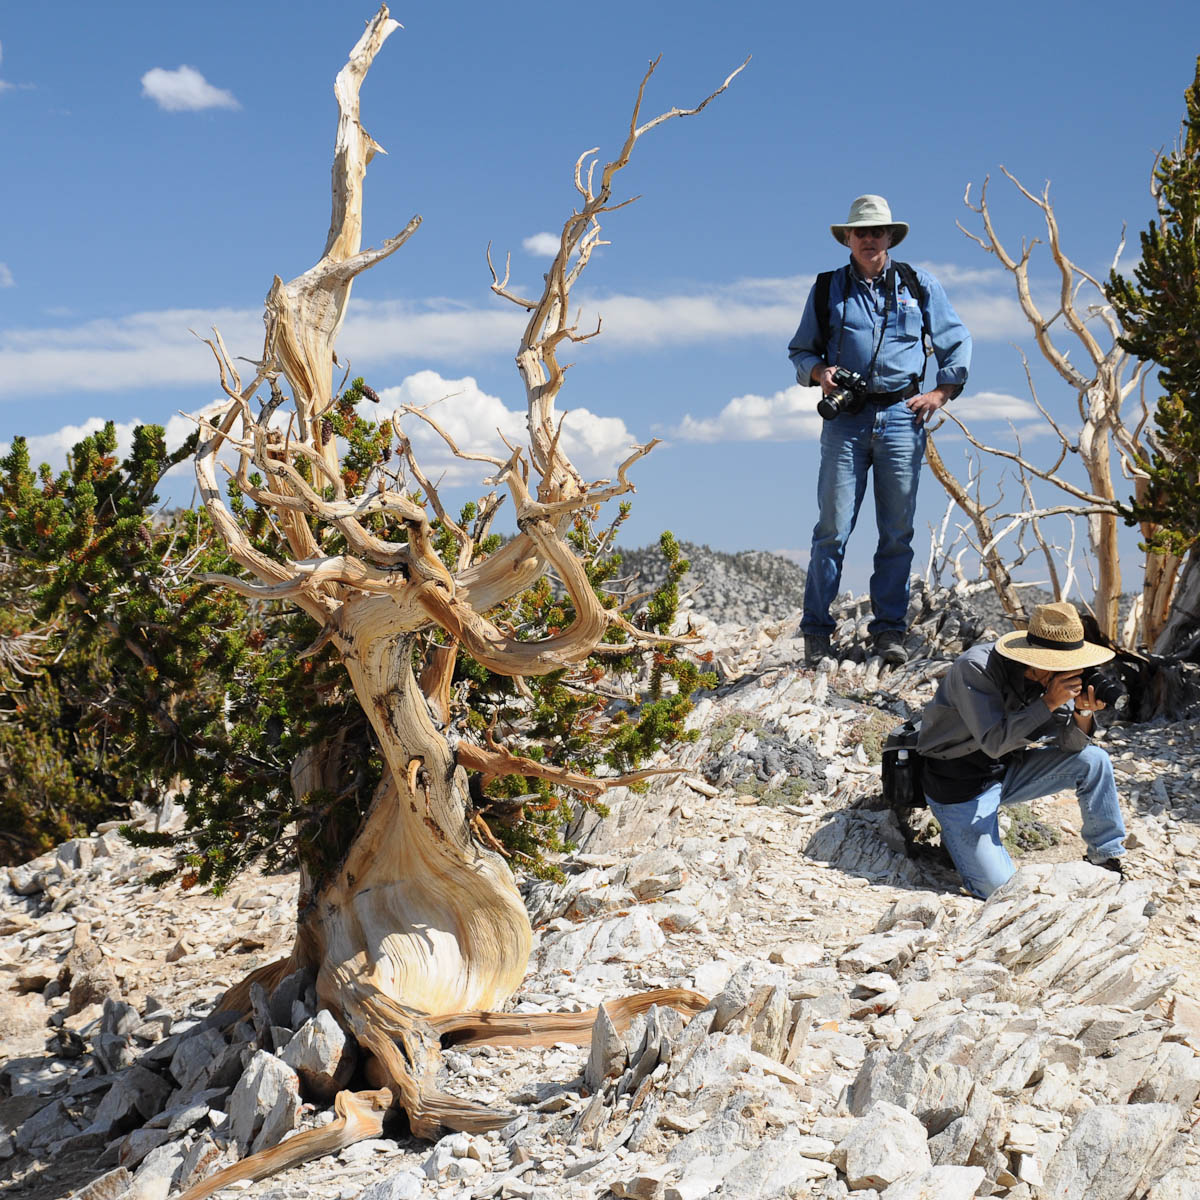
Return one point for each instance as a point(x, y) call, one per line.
point(1113, 1152)
point(264, 1105)
point(885, 1145)
point(937, 1183)
point(323, 1055)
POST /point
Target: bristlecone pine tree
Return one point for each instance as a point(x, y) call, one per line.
point(412, 921)
point(122, 676)
point(78, 692)
point(1160, 313)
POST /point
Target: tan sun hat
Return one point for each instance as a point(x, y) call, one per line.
point(870, 210)
point(1054, 641)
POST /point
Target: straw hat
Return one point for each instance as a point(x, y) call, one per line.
point(1053, 642)
point(870, 210)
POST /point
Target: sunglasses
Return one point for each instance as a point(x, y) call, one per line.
point(870, 231)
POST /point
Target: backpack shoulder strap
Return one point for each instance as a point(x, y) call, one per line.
point(821, 300)
point(821, 304)
point(911, 284)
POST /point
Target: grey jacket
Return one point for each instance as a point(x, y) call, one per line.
point(982, 704)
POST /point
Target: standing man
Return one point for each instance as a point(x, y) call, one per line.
point(978, 750)
point(872, 317)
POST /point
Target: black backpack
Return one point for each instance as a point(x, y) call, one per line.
point(908, 281)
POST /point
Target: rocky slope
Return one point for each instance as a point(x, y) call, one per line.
point(741, 588)
point(873, 1031)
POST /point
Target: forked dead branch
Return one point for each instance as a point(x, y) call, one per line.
point(1106, 443)
point(419, 932)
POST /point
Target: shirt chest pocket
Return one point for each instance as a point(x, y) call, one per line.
point(908, 319)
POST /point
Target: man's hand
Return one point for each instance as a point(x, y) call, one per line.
point(1085, 709)
point(823, 376)
point(1063, 686)
point(927, 403)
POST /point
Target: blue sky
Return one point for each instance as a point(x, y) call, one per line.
point(163, 162)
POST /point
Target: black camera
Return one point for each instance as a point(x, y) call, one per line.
point(848, 396)
point(1108, 684)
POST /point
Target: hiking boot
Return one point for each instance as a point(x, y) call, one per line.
point(1109, 864)
point(816, 647)
point(889, 645)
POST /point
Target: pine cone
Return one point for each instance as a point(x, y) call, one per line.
point(370, 393)
point(326, 430)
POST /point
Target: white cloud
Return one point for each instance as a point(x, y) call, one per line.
point(390, 330)
point(184, 90)
point(476, 420)
point(994, 406)
point(646, 322)
point(992, 318)
point(788, 289)
point(789, 415)
point(951, 275)
point(542, 245)
point(156, 349)
point(384, 331)
point(143, 349)
point(4, 84)
point(53, 448)
point(6, 276)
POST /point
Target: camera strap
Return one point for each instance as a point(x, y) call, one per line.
point(889, 285)
point(908, 280)
point(889, 292)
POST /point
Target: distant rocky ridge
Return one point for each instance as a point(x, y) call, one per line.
point(741, 588)
point(758, 585)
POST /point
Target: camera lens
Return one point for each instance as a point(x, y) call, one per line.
point(1108, 688)
point(837, 400)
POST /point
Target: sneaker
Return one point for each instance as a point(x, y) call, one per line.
point(1109, 864)
point(889, 645)
point(816, 647)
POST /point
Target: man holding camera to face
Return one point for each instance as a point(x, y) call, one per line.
point(978, 735)
point(862, 340)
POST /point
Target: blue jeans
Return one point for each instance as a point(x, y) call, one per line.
point(890, 443)
point(971, 833)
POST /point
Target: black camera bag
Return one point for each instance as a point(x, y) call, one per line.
point(901, 767)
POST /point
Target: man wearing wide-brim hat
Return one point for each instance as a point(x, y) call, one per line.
point(873, 317)
point(1011, 721)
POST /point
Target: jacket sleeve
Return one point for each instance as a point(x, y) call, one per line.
point(806, 349)
point(1068, 735)
point(977, 699)
point(951, 338)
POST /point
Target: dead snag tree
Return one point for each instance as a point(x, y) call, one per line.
point(1103, 376)
point(418, 930)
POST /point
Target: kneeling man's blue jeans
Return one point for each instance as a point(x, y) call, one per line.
point(971, 832)
point(890, 443)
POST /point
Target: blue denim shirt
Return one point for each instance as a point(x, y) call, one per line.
point(855, 322)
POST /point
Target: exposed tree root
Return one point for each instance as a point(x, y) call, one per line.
point(544, 1029)
point(405, 1046)
point(360, 1116)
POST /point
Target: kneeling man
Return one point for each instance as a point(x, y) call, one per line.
point(978, 737)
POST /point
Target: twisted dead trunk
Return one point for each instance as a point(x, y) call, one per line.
point(416, 931)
